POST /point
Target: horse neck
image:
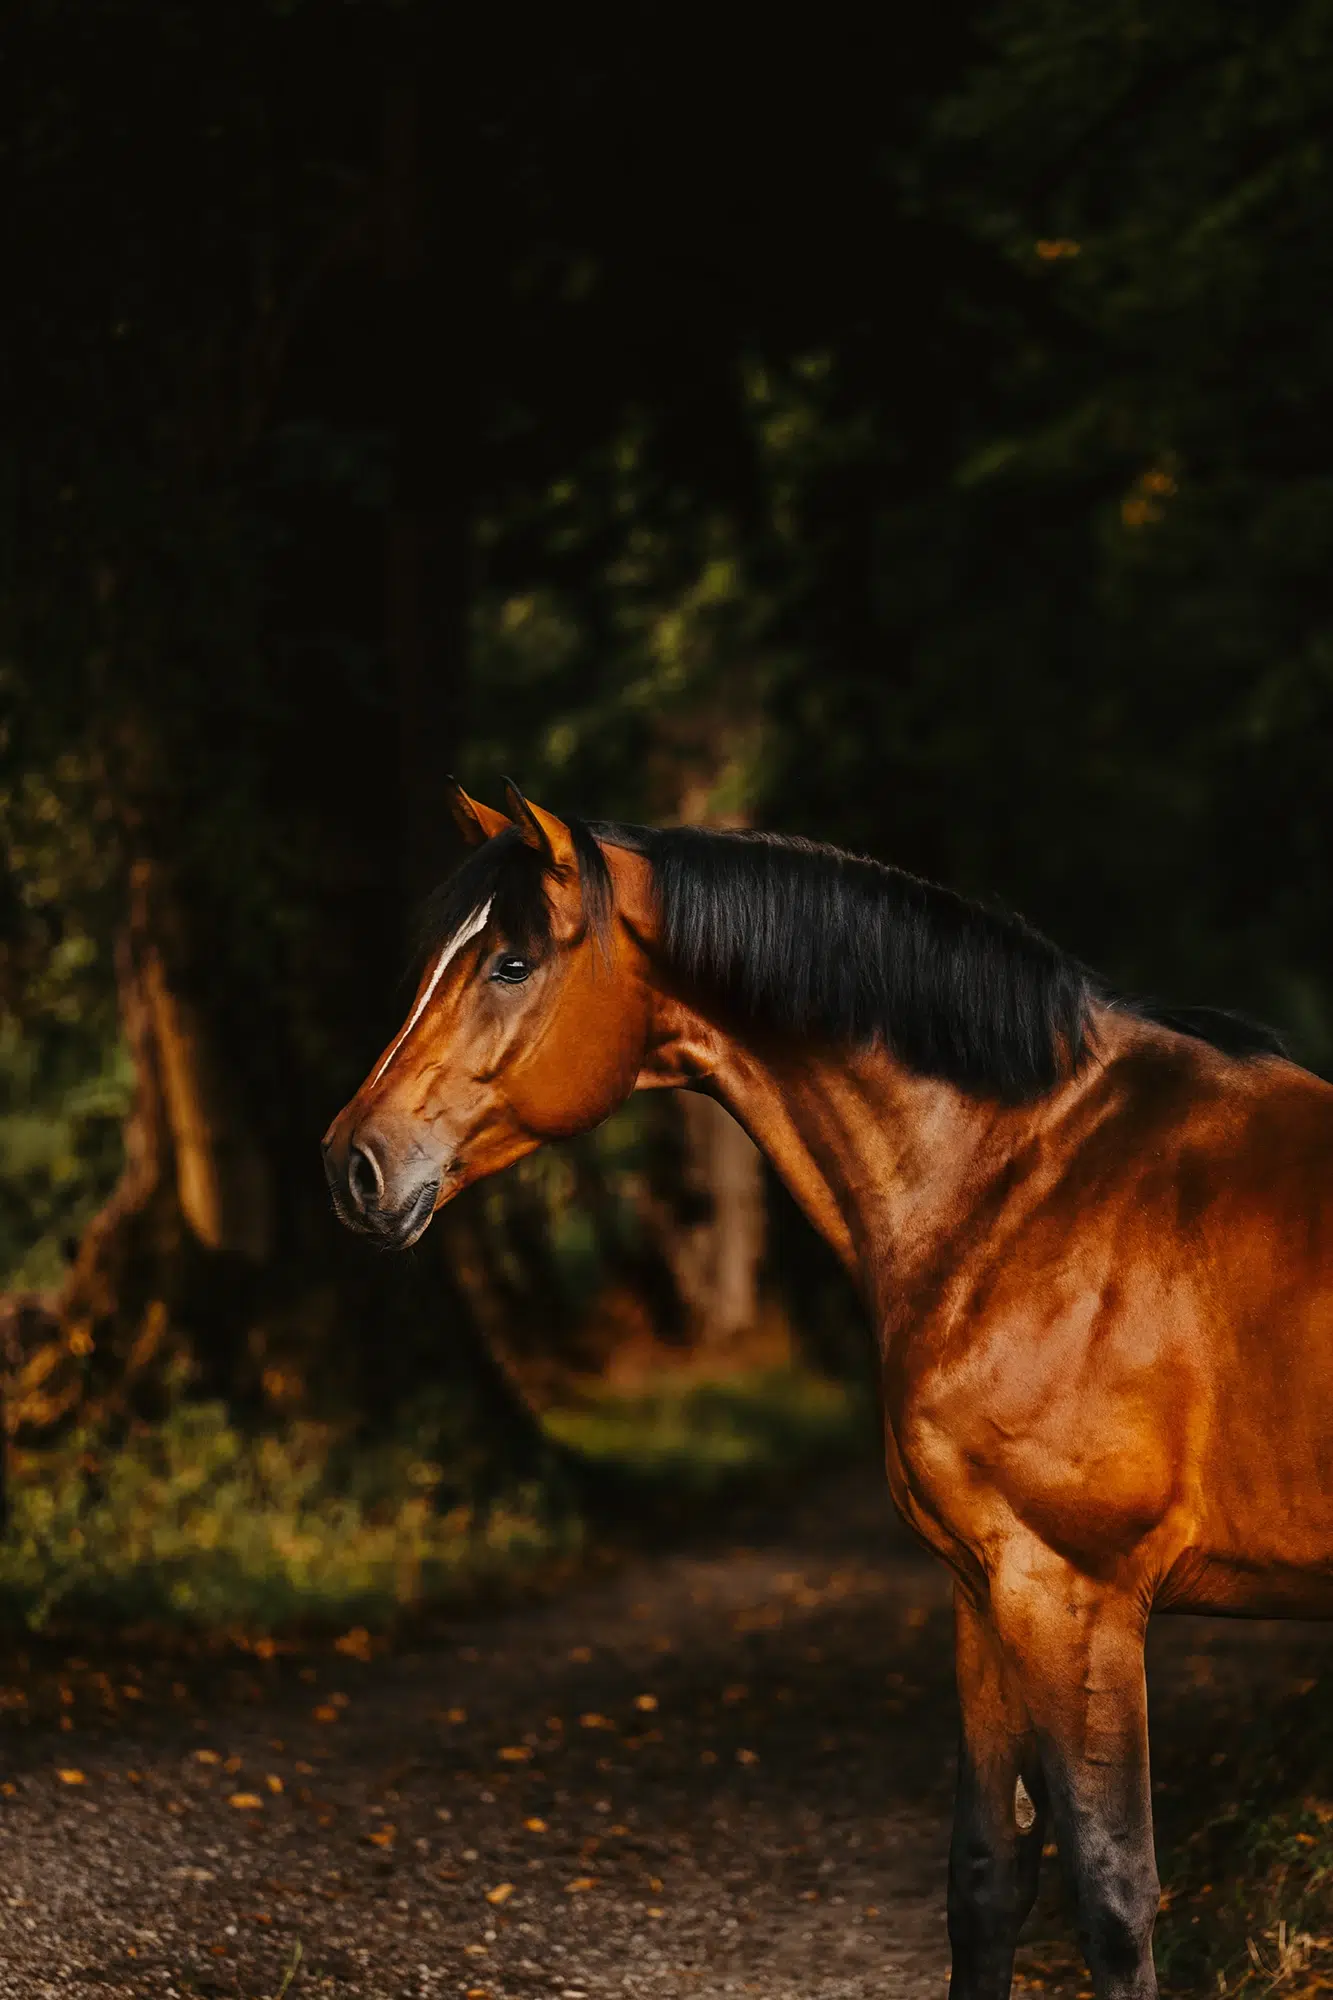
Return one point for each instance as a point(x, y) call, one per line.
point(884, 1162)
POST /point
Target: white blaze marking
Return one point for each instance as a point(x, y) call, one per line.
point(474, 923)
point(1025, 1813)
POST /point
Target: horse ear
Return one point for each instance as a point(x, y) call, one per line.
point(549, 836)
point(476, 822)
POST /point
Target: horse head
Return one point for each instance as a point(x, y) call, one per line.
point(530, 1023)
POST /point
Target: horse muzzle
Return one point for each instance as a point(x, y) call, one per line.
point(378, 1190)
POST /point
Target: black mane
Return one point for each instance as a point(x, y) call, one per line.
point(809, 941)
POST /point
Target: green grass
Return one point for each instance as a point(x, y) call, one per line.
point(194, 1522)
point(699, 1436)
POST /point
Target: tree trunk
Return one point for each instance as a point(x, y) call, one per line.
point(717, 1244)
point(164, 1269)
point(712, 1223)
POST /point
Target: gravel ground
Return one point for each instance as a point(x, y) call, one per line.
point(724, 1771)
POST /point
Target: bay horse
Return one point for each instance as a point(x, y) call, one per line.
point(1096, 1241)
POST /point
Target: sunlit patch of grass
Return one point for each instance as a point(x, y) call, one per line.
point(193, 1521)
point(700, 1434)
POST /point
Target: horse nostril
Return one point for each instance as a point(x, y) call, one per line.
point(365, 1182)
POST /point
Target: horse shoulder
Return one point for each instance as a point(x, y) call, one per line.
point(1065, 1379)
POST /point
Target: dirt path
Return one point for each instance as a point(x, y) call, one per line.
point(721, 1772)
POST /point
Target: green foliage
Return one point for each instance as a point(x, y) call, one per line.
point(1141, 482)
point(194, 1521)
point(64, 1084)
point(698, 1435)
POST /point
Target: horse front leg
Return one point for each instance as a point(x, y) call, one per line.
point(999, 1816)
point(1077, 1649)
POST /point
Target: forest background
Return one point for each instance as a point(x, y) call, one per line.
point(915, 436)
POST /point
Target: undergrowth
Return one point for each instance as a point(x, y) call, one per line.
point(1247, 1856)
point(195, 1521)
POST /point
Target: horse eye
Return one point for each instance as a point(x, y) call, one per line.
point(511, 971)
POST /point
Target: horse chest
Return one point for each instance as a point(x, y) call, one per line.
point(1033, 1425)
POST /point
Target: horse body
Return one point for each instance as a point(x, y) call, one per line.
point(1098, 1254)
point(1105, 1321)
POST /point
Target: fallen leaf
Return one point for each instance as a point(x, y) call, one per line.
point(325, 1712)
point(385, 1837)
point(747, 1756)
point(273, 1781)
point(355, 1644)
point(500, 1893)
point(232, 1766)
point(594, 1721)
point(70, 1777)
point(515, 1753)
point(580, 1884)
point(535, 1825)
point(656, 1913)
point(477, 1950)
point(456, 1715)
point(207, 1757)
point(245, 1801)
point(647, 1702)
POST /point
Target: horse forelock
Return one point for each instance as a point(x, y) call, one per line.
point(512, 880)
